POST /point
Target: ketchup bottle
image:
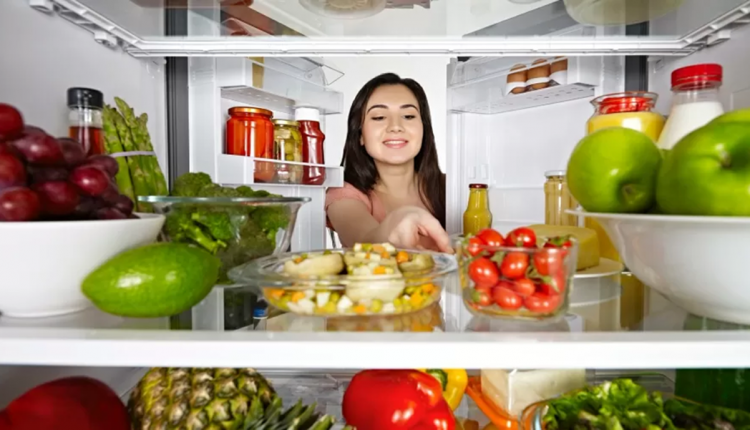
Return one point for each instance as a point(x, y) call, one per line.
point(312, 145)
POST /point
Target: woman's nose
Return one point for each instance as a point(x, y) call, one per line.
point(395, 125)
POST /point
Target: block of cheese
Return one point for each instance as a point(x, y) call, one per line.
point(514, 390)
point(588, 241)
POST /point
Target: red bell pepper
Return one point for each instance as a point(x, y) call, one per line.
point(73, 403)
point(396, 400)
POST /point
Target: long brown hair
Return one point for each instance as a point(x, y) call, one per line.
point(359, 167)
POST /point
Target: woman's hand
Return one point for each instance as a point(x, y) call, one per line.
point(415, 228)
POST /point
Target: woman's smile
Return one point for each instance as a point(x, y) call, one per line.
point(396, 143)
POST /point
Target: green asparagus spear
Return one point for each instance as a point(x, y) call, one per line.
point(130, 121)
point(159, 180)
point(140, 181)
point(113, 145)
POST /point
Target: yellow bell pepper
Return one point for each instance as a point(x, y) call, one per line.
point(454, 382)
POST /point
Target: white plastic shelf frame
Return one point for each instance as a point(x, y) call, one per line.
point(479, 86)
point(234, 169)
point(279, 84)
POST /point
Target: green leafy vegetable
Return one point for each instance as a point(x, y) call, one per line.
point(624, 405)
point(236, 234)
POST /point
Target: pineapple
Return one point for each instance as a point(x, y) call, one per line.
point(215, 399)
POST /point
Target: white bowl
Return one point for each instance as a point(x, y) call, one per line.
point(700, 263)
point(42, 264)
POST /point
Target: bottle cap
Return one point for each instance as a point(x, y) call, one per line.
point(306, 114)
point(551, 173)
point(85, 97)
point(697, 76)
point(481, 186)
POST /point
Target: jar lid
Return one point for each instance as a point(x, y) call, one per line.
point(479, 186)
point(697, 76)
point(289, 122)
point(85, 97)
point(306, 114)
point(246, 109)
point(629, 101)
point(553, 173)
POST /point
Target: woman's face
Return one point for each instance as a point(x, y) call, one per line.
point(392, 128)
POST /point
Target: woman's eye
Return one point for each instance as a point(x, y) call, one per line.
point(378, 118)
point(410, 116)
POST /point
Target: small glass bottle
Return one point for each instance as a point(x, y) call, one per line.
point(287, 147)
point(85, 119)
point(557, 200)
point(477, 215)
point(312, 144)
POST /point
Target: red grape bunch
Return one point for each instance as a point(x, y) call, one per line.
point(43, 178)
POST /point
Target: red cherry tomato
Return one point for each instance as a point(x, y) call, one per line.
point(506, 298)
point(491, 237)
point(524, 287)
point(553, 285)
point(548, 261)
point(481, 297)
point(521, 237)
point(514, 265)
point(475, 246)
point(542, 303)
point(558, 242)
point(483, 272)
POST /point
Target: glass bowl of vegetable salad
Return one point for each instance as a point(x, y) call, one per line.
point(518, 275)
point(366, 280)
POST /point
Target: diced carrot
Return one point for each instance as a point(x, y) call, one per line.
point(360, 309)
point(299, 295)
point(385, 254)
point(416, 300)
point(380, 270)
point(428, 288)
point(378, 248)
point(298, 260)
point(402, 257)
point(276, 293)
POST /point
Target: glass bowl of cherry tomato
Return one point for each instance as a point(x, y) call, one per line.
point(518, 275)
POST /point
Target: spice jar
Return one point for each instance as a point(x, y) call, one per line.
point(312, 145)
point(250, 133)
point(85, 119)
point(557, 200)
point(287, 147)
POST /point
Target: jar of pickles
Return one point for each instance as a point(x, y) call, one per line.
point(288, 147)
point(558, 200)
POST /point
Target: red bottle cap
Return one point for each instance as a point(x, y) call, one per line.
point(636, 101)
point(480, 186)
point(698, 76)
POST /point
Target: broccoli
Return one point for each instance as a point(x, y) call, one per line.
point(234, 233)
point(190, 184)
point(218, 224)
point(180, 227)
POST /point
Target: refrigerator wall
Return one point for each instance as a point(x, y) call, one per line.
point(43, 55)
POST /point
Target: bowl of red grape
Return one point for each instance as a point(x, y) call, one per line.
point(61, 216)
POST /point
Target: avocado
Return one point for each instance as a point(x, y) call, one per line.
point(156, 280)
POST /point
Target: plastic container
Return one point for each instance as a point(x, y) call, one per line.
point(85, 119)
point(250, 133)
point(695, 101)
point(345, 9)
point(237, 250)
point(344, 294)
point(287, 147)
point(427, 320)
point(619, 12)
point(312, 145)
point(487, 288)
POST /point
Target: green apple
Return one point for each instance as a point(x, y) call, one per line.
point(740, 115)
point(708, 172)
point(614, 170)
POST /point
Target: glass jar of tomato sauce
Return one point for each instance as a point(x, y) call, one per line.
point(250, 134)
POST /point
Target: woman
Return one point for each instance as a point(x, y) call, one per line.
point(394, 190)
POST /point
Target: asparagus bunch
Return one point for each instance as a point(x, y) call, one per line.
point(139, 175)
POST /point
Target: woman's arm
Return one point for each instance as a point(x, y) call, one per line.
point(407, 227)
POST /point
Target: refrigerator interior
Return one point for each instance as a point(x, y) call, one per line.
point(509, 150)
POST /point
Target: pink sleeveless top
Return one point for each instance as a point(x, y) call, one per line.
point(348, 192)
